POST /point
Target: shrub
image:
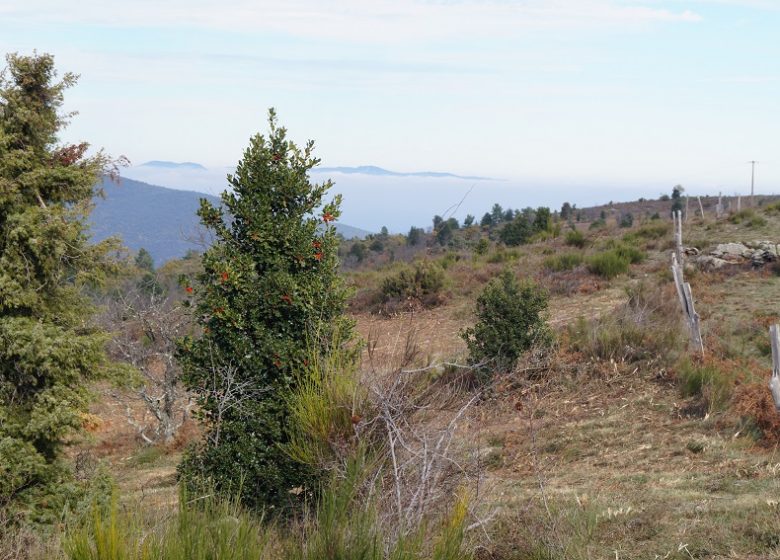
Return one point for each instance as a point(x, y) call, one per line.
point(598, 224)
point(511, 318)
point(706, 380)
point(649, 231)
point(608, 264)
point(50, 350)
point(575, 238)
point(482, 246)
point(748, 217)
point(423, 281)
point(269, 288)
point(503, 256)
point(645, 327)
point(565, 261)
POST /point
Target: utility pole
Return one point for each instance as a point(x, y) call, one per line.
point(752, 183)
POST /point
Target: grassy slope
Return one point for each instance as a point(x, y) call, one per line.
point(604, 465)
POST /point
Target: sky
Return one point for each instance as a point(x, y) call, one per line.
point(629, 96)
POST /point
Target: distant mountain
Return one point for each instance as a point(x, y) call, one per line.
point(161, 220)
point(378, 171)
point(173, 165)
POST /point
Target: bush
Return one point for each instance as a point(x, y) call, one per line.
point(503, 256)
point(575, 238)
point(645, 327)
point(269, 288)
point(748, 217)
point(423, 281)
point(706, 380)
point(565, 261)
point(648, 231)
point(608, 264)
point(511, 318)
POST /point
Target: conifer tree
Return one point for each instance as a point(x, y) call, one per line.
point(269, 293)
point(48, 349)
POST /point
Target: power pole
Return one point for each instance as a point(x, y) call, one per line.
point(752, 183)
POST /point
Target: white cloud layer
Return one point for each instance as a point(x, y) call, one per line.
point(355, 20)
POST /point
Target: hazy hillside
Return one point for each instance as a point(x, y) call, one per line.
point(159, 219)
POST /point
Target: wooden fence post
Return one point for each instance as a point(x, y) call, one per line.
point(774, 381)
point(739, 203)
point(686, 302)
point(701, 207)
point(678, 248)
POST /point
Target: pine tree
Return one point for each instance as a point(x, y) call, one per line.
point(48, 349)
point(269, 292)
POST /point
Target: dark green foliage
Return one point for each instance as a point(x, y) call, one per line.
point(269, 290)
point(144, 261)
point(609, 264)
point(511, 318)
point(444, 233)
point(468, 221)
point(542, 220)
point(575, 238)
point(48, 350)
point(423, 280)
point(677, 204)
point(358, 250)
point(377, 245)
point(566, 211)
point(516, 232)
point(414, 236)
point(626, 220)
point(497, 213)
point(487, 220)
point(148, 283)
point(482, 246)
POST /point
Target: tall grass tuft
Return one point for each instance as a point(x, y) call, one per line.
point(326, 404)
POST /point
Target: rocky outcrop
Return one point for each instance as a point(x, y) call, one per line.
point(756, 252)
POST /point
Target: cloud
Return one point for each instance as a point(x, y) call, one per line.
point(391, 21)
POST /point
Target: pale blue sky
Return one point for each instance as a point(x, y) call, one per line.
point(646, 93)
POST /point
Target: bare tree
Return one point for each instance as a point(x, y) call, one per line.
point(146, 327)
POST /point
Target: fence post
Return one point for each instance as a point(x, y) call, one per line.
point(689, 312)
point(701, 207)
point(774, 381)
point(739, 203)
point(693, 319)
point(677, 216)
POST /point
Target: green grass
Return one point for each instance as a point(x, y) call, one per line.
point(608, 264)
point(562, 262)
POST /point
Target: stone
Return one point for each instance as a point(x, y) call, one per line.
point(707, 262)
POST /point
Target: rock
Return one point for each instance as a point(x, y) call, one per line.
point(691, 251)
point(707, 262)
point(730, 250)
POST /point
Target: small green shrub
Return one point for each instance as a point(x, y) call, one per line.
point(704, 380)
point(511, 318)
point(608, 264)
point(748, 217)
point(773, 208)
point(565, 261)
point(575, 238)
point(503, 256)
point(648, 232)
point(422, 280)
point(598, 224)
